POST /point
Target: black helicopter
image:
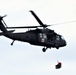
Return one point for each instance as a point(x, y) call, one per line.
point(41, 37)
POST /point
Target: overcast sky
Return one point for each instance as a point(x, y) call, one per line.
point(25, 59)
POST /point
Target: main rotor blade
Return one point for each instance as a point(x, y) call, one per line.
point(36, 17)
point(63, 23)
point(23, 27)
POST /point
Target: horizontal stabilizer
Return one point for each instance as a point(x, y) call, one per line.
point(11, 31)
point(2, 33)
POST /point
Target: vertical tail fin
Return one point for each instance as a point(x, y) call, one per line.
point(2, 24)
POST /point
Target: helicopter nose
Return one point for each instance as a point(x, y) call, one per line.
point(65, 43)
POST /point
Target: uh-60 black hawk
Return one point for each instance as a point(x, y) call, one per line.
point(41, 37)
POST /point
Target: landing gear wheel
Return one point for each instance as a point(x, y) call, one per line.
point(57, 47)
point(44, 50)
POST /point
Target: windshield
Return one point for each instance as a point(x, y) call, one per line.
point(62, 37)
point(57, 38)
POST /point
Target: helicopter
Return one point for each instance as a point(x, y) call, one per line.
point(40, 37)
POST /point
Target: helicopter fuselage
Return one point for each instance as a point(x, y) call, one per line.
point(41, 37)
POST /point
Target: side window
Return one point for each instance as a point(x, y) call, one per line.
point(40, 35)
point(44, 36)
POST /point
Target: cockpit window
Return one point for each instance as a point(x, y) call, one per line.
point(57, 37)
point(62, 37)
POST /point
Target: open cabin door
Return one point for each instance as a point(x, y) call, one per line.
point(42, 37)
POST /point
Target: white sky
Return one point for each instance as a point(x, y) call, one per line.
point(25, 59)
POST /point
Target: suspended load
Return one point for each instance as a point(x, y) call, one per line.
point(59, 65)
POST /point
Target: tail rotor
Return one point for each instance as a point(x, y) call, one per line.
point(3, 24)
point(1, 19)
